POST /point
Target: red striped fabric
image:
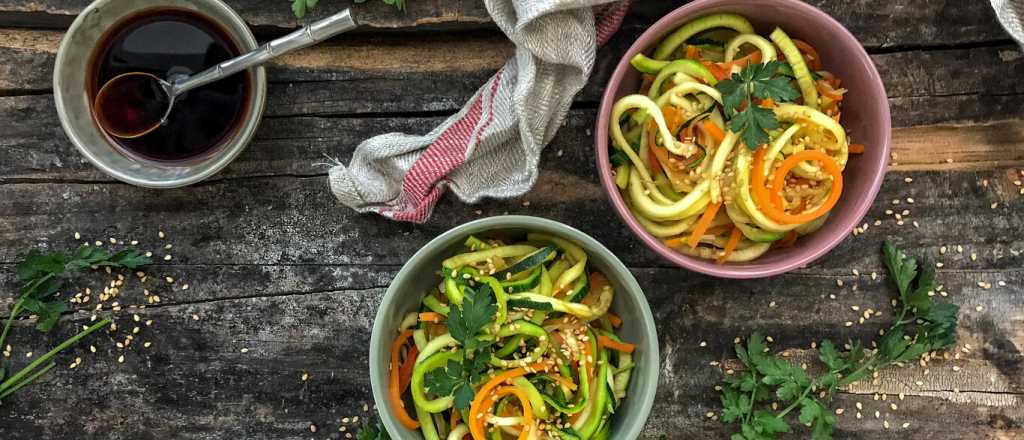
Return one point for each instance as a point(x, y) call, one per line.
point(421, 185)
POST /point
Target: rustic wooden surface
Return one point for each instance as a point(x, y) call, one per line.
point(276, 267)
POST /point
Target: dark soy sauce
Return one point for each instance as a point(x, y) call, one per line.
point(171, 41)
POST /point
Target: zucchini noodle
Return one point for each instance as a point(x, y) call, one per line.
point(549, 366)
point(690, 180)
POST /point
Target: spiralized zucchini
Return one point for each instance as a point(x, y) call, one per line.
point(690, 181)
point(516, 342)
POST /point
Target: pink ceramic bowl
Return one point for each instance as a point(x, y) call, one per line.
point(865, 116)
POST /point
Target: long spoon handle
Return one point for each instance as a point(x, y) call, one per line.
point(310, 34)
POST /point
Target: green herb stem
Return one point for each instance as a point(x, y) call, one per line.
point(10, 320)
point(27, 381)
point(795, 402)
point(63, 345)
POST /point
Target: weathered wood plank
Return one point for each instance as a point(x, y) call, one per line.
point(440, 72)
point(295, 220)
point(35, 148)
point(202, 361)
point(447, 14)
point(877, 23)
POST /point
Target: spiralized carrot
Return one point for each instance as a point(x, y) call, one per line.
point(607, 342)
point(405, 373)
point(524, 401)
point(483, 395)
point(692, 52)
point(394, 385)
point(431, 317)
point(614, 319)
point(810, 53)
point(771, 203)
point(703, 223)
point(713, 130)
point(734, 239)
point(827, 91)
point(856, 149)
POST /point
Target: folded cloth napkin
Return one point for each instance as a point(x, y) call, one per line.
point(1011, 15)
point(492, 146)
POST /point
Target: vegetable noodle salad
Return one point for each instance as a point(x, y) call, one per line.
point(515, 343)
point(733, 145)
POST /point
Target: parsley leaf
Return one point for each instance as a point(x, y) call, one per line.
point(372, 432)
point(476, 311)
point(42, 276)
point(922, 325)
point(457, 378)
point(751, 121)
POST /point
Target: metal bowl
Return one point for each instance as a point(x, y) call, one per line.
point(75, 110)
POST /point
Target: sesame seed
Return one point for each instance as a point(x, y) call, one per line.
point(979, 308)
point(906, 424)
point(78, 236)
point(305, 377)
point(771, 304)
point(703, 343)
point(167, 258)
point(893, 406)
point(161, 234)
point(147, 344)
point(994, 205)
point(312, 428)
point(839, 283)
point(195, 317)
point(942, 250)
point(840, 411)
point(885, 423)
point(849, 323)
point(113, 240)
point(956, 368)
point(859, 416)
point(92, 348)
point(974, 256)
point(120, 359)
point(99, 243)
point(184, 287)
point(244, 350)
point(135, 242)
point(910, 200)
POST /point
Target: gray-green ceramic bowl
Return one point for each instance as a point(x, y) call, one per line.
point(420, 274)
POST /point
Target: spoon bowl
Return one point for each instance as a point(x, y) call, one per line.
point(133, 104)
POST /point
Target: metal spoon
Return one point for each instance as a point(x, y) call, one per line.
point(133, 104)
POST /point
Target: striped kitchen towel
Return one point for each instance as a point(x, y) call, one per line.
point(1011, 15)
point(491, 148)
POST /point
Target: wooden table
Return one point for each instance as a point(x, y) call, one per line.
point(283, 281)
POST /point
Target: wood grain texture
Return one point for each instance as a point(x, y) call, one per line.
point(288, 330)
point(436, 15)
point(34, 147)
point(878, 24)
point(438, 73)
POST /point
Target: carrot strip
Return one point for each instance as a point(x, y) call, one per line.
point(703, 223)
point(394, 385)
point(734, 239)
point(456, 415)
point(614, 319)
point(787, 241)
point(827, 90)
point(692, 52)
point(652, 157)
point(432, 317)
point(624, 347)
point(714, 131)
point(483, 396)
point(523, 401)
point(768, 102)
point(810, 53)
point(771, 203)
point(856, 149)
point(405, 373)
point(645, 86)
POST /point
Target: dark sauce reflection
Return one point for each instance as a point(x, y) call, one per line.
point(170, 41)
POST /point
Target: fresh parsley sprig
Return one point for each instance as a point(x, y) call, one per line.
point(766, 378)
point(752, 122)
point(464, 323)
point(372, 432)
point(42, 276)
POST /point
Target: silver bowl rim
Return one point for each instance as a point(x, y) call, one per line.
point(220, 159)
